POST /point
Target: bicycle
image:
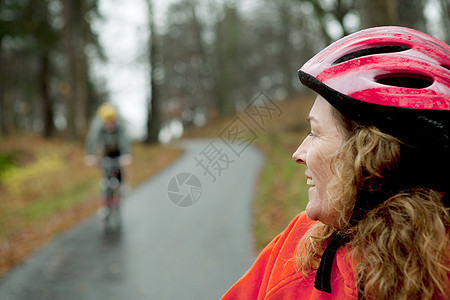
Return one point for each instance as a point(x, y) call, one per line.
point(111, 187)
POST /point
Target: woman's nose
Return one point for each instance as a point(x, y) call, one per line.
point(299, 154)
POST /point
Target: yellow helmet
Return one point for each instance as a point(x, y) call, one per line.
point(107, 112)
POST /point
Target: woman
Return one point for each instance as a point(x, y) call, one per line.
point(377, 161)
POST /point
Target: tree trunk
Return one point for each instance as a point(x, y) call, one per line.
point(82, 94)
point(227, 48)
point(153, 116)
point(378, 13)
point(3, 126)
point(47, 103)
point(445, 8)
point(70, 87)
point(286, 52)
point(411, 15)
point(203, 73)
point(82, 71)
point(320, 14)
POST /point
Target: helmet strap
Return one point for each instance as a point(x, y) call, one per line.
point(322, 280)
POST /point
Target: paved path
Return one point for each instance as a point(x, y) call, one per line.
point(165, 251)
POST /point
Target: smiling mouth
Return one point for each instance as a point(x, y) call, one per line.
point(310, 182)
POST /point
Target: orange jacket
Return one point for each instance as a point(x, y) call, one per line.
point(273, 275)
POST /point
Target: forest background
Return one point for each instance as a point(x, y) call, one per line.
point(205, 58)
point(204, 61)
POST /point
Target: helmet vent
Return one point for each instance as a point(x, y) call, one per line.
point(406, 81)
point(370, 51)
point(447, 67)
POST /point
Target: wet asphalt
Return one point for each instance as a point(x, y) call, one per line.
point(193, 249)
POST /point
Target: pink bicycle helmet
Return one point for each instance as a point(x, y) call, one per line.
point(398, 80)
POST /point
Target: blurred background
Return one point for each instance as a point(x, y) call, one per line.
point(169, 66)
point(170, 61)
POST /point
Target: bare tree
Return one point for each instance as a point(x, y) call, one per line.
point(4, 128)
point(187, 60)
point(326, 10)
point(227, 43)
point(77, 34)
point(153, 116)
point(29, 66)
point(70, 47)
point(410, 14)
point(378, 13)
point(445, 15)
point(286, 53)
point(46, 39)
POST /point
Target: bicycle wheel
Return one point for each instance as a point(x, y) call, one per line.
point(112, 221)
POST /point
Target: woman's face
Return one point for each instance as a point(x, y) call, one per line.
point(316, 153)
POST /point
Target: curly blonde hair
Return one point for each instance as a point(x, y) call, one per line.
point(400, 249)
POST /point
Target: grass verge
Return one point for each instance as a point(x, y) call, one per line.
point(281, 191)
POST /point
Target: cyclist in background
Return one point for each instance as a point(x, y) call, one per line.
point(107, 133)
